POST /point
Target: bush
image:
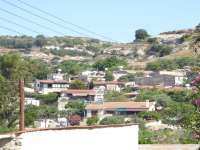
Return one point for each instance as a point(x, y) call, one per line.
point(110, 62)
point(47, 98)
point(159, 50)
point(162, 64)
point(109, 76)
point(112, 120)
point(92, 121)
point(115, 96)
point(76, 107)
point(77, 84)
point(149, 115)
point(127, 78)
point(172, 64)
point(73, 67)
point(6, 130)
point(74, 120)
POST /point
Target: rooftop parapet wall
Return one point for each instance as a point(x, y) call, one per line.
point(115, 137)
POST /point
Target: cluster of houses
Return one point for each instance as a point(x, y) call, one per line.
point(96, 105)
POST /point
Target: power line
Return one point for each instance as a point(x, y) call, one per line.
point(30, 21)
point(9, 29)
point(60, 19)
point(41, 17)
point(22, 26)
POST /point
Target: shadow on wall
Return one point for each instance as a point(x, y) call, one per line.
point(4, 141)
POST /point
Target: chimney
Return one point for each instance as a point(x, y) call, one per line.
point(147, 103)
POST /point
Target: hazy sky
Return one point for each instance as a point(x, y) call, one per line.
point(117, 19)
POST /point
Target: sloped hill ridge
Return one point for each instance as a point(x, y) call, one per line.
point(87, 49)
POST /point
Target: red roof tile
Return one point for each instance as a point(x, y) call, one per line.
point(118, 105)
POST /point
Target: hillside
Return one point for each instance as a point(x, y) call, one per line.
point(57, 49)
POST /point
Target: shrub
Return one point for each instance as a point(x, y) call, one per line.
point(112, 120)
point(115, 96)
point(149, 115)
point(6, 130)
point(77, 84)
point(92, 121)
point(74, 120)
point(159, 50)
point(127, 78)
point(109, 76)
point(110, 62)
point(47, 98)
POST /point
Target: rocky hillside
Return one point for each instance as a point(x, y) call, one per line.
point(58, 49)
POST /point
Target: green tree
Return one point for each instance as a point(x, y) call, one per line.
point(109, 63)
point(115, 96)
point(8, 103)
point(109, 76)
point(77, 84)
point(50, 98)
point(31, 114)
point(14, 67)
point(175, 112)
point(38, 69)
point(76, 107)
point(141, 34)
point(73, 67)
point(40, 41)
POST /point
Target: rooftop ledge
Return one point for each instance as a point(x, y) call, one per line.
point(13, 134)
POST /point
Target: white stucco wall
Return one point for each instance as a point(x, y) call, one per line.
point(112, 138)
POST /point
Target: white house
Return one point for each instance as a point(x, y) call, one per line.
point(52, 47)
point(32, 101)
point(88, 96)
point(92, 75)
point(50, 86)
point(54, 83)
point(119, 73)
point(110, 85)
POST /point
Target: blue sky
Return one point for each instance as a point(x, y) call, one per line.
point(117, 19)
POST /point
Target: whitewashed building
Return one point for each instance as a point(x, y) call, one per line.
point(92, 75)
point(54, 83)
point(88, 96)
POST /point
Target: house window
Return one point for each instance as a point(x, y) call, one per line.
point(94, 113)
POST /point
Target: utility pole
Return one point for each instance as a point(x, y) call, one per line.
point(21, 95)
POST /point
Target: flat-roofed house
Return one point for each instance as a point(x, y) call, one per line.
point(118, 108)
point(162, 78)
point(54, 83)
point(49, 86)
point(110, 85)
point(92, 76)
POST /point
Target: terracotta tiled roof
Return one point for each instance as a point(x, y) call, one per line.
point(108, 82)
point(53, 81)
point(119, 105)
point(80, 92)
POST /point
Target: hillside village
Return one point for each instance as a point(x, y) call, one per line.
point(80, 81)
